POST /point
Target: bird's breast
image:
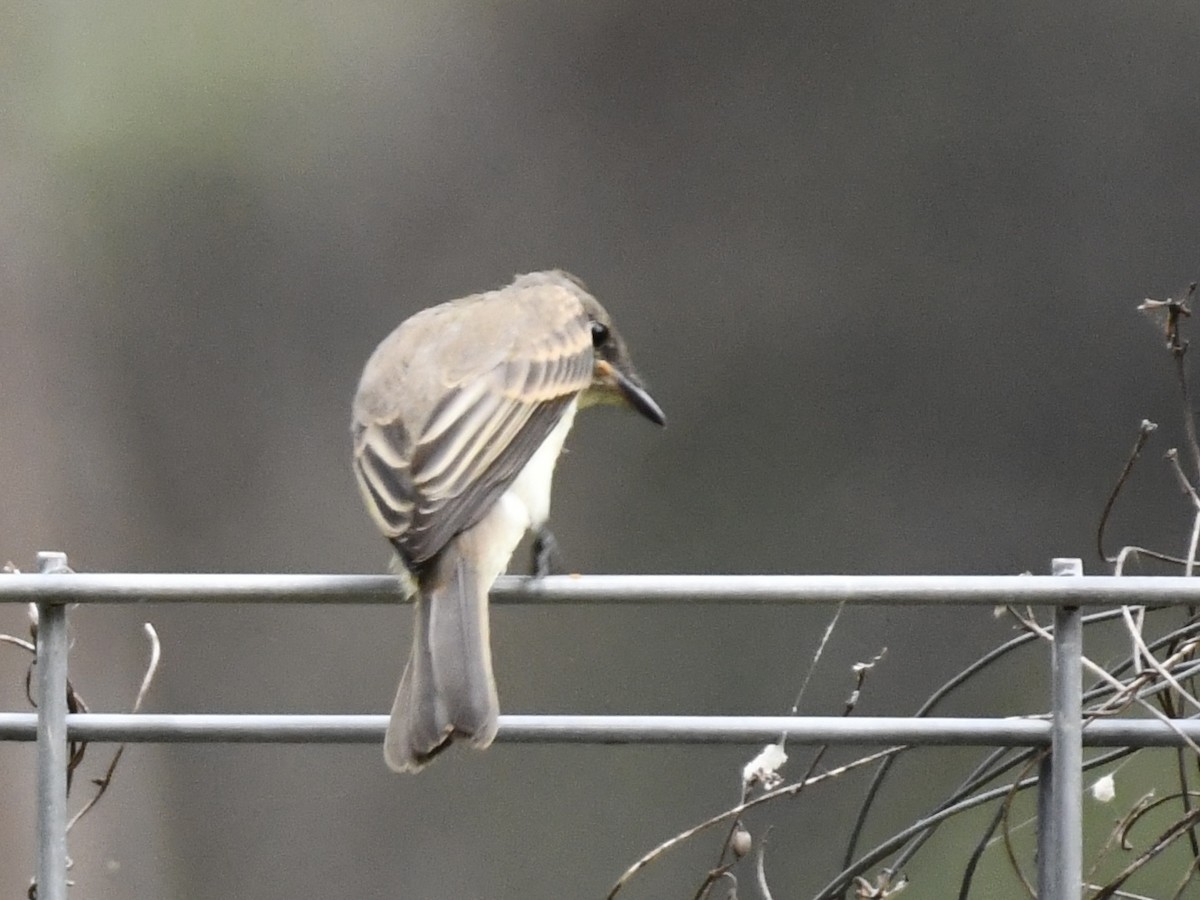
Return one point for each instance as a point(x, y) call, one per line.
point(531, 488)
point(527, 501)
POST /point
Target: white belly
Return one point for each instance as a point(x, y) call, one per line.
point(526, 503)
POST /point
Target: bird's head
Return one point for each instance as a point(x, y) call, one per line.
point(614, 379)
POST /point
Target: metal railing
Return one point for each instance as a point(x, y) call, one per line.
point(1060, 785)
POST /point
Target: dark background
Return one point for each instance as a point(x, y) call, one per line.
point(878, 262)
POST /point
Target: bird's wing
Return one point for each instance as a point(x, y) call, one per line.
point(481, 429)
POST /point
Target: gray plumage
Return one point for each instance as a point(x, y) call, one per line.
point(459, 417)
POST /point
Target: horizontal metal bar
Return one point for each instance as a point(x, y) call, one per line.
point(353, 729)
point(889, 590)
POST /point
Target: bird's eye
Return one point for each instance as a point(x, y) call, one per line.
point(599, 333)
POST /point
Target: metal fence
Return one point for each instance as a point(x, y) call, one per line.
point(1060, 786)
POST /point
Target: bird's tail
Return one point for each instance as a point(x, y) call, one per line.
point(447, 690)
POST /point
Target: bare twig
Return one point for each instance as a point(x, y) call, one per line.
point(759, 870)
point(1190, 492)
point(812, 666)
point(1126, 552)
point(713, 877)
point(1167, 702)
point(1116, 837)
point(18, 642)
point(785, 791)
point(977, 854)
point(992, 767)
point(889, 846)
point(1172, 311)
point(1147, 804)
point(1103, 673)
point(103, 783)
point(1187, 878)
point(1173, 832)
point(1139, 613)
point(1185, 486)
point(76, 704)
point(1144, 431)
point(1006, 810)
point(886, 884)
point(1185, 797)
point(861, 670)
point(750, 777)
point(1192, 544)
point(926, 709)
point(1153, 661)
point(1119, 895)
point(1178, 351)
point(1130, 694)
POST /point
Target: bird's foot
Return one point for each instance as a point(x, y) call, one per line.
point(545, 552)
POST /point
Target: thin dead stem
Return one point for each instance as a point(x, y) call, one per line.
point(1144, 431)
point(1153, 662)
point(789, 790)
point(1104, 675)
point(860, 671)
point(76, 704)
point(1173, 832)
point(1005, 830)
point(102, 783)
point(760, 873)
point(812, 666)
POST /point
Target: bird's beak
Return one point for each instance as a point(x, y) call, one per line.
point(633, 393)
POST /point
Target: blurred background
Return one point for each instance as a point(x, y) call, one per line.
point(878, 263)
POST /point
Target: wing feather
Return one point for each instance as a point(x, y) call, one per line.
point(441, 461)
point(432, 528)
point(482, 426)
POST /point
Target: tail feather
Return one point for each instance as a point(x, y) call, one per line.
point(447, 690)
point(417, 730)
point(462, 654)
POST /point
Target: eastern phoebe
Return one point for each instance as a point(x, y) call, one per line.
point(459, 418)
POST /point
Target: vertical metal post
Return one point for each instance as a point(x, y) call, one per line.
point(52, 740)
point(1060, 863)
point(1047, 833)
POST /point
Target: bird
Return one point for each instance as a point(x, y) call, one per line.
point(459, 417)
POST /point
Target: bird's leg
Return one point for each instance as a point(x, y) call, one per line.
point(545, 552)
